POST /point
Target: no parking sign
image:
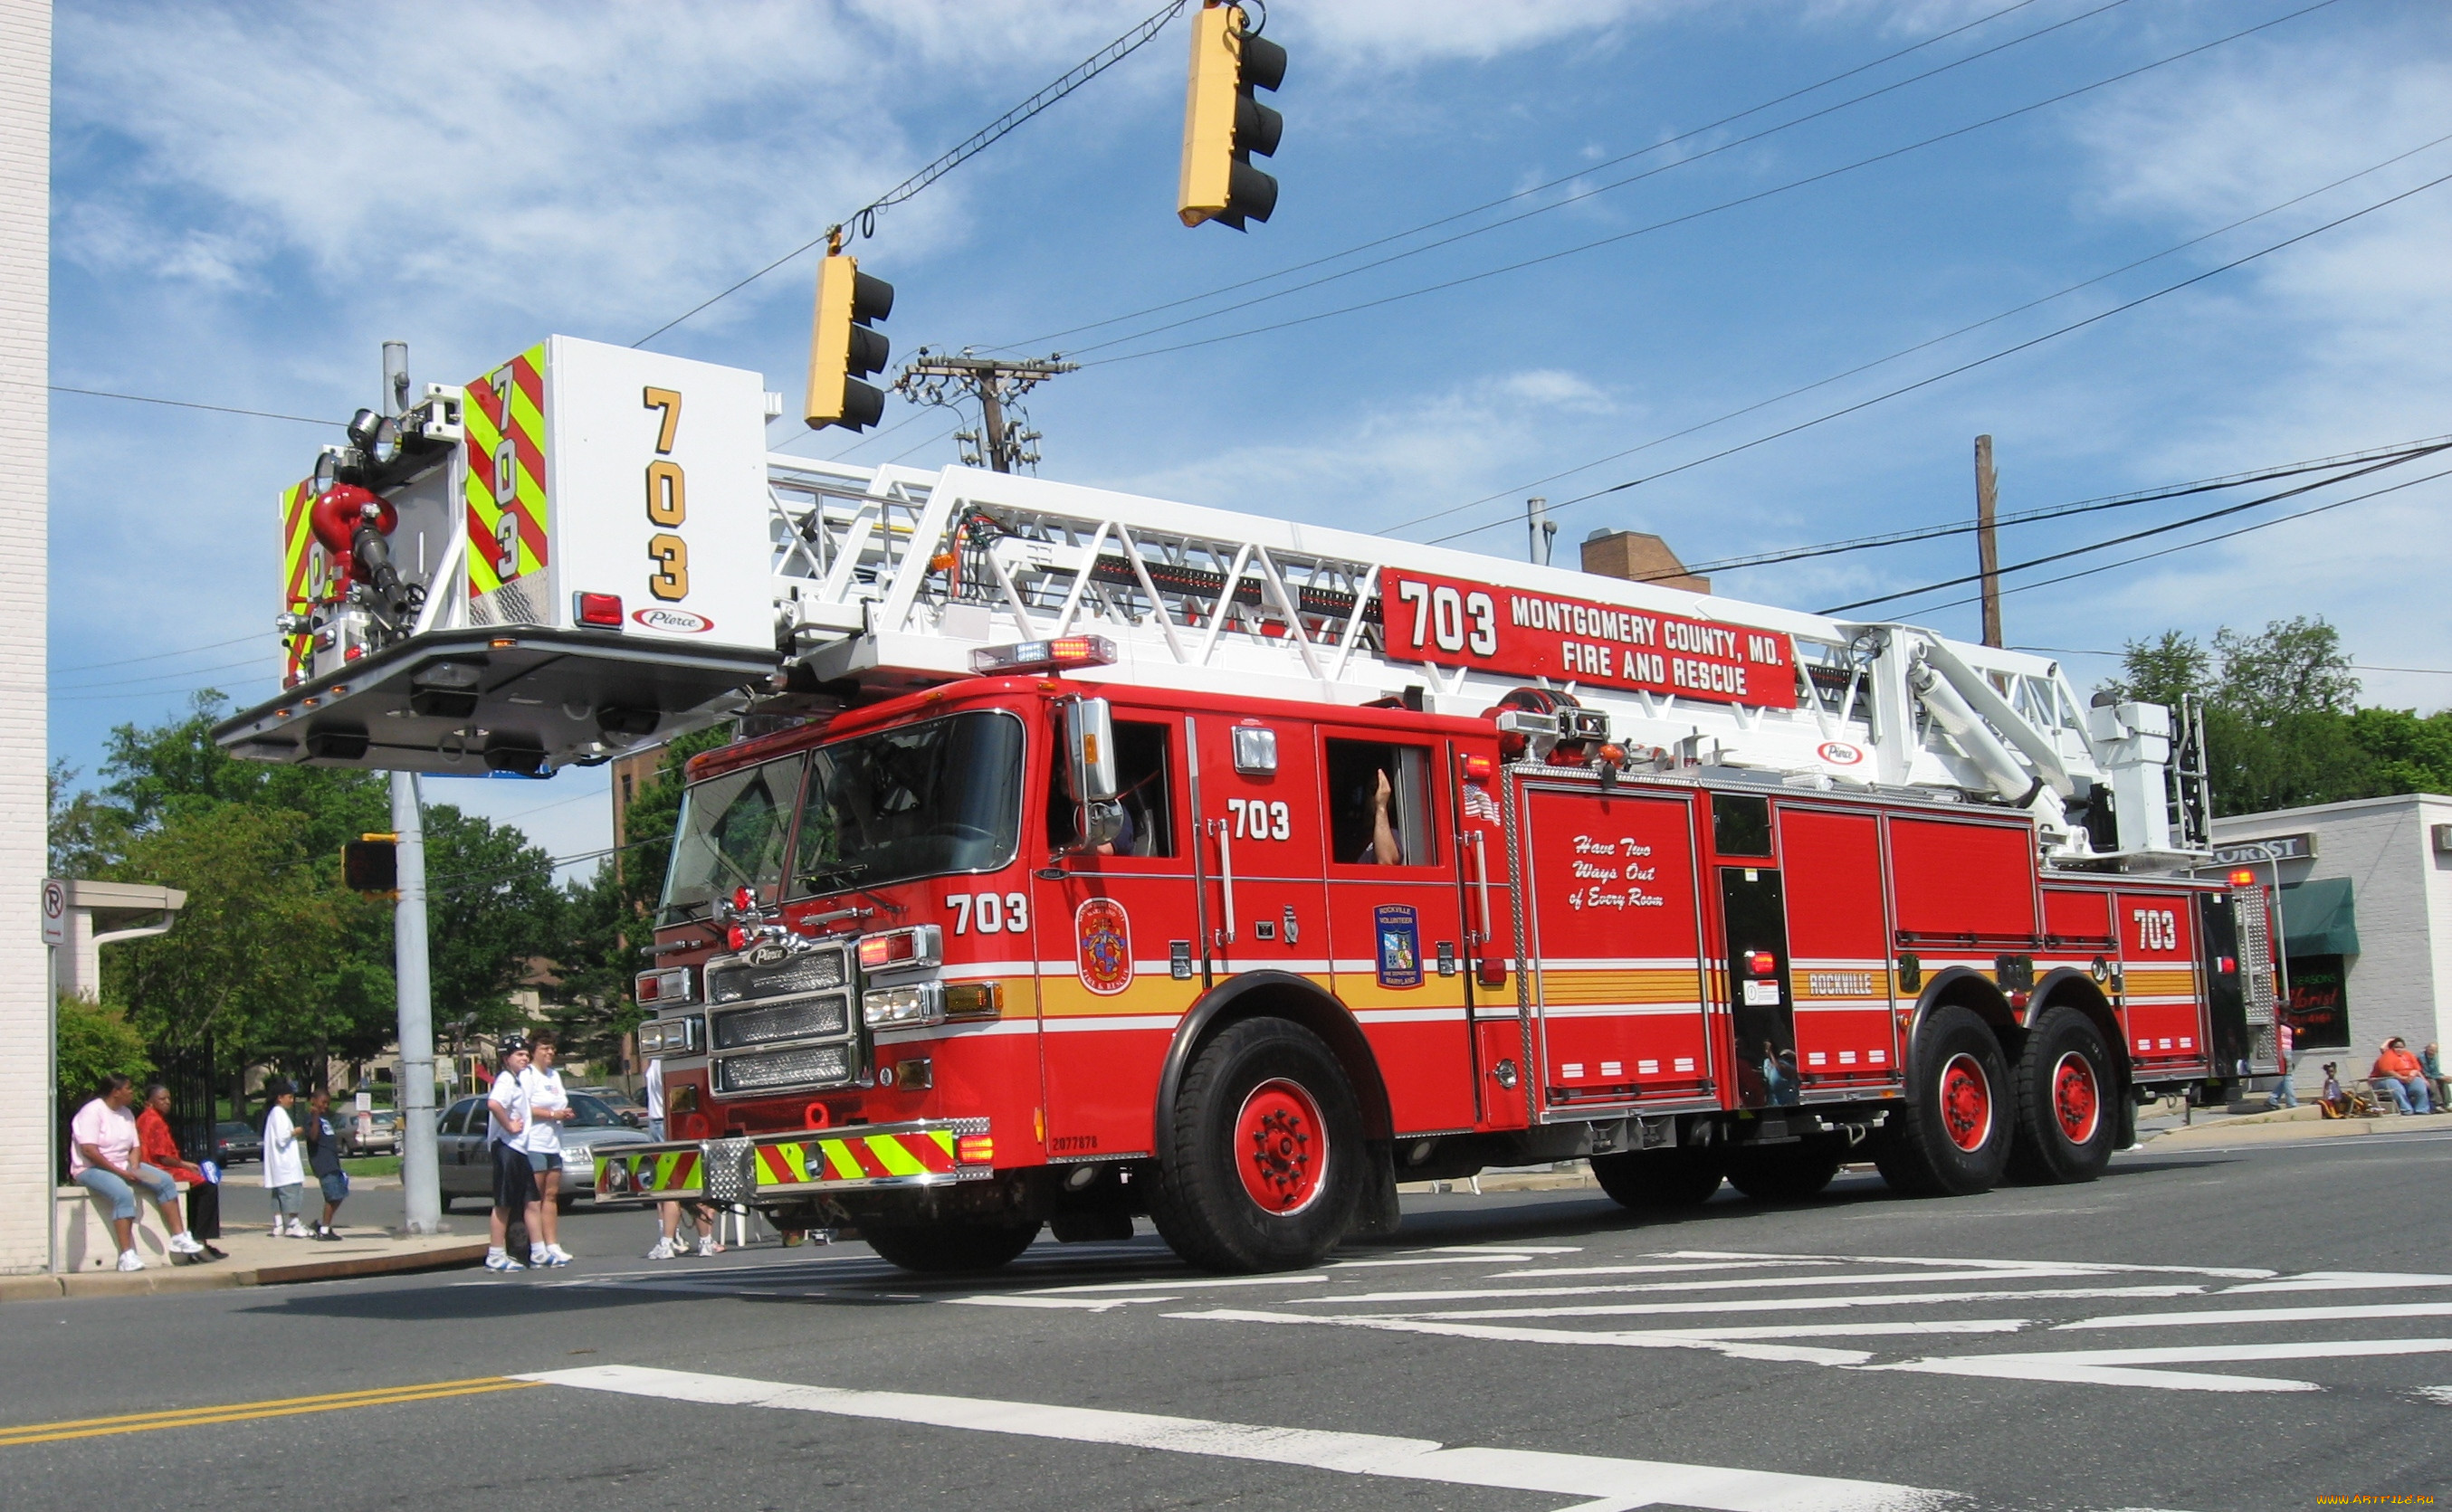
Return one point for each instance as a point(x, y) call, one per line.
point(55, 911)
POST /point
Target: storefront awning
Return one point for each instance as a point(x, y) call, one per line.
point(2318, 918)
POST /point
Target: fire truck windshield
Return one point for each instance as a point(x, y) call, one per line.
point(920, 800)
point(731, 836)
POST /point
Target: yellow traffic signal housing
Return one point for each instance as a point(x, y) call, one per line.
point(1223, 124)
point(370, 864)
point(843, 349)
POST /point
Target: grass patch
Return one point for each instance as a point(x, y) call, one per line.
point(371, 1164)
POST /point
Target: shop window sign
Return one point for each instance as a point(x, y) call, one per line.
point(2320, 1005)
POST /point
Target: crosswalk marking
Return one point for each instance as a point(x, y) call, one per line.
point(1598, 1481)
point(2237, 1315)
point(2236, 1273)
point(1908, 1299)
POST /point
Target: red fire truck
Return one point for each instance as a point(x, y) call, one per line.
point(1094, 856)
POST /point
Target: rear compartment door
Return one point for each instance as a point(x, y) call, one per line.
point(1839, 975)
point(2161, 1009)
point(1611, 939)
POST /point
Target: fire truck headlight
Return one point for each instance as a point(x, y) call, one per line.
point(899, 1006)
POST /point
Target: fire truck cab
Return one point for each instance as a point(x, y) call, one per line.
point(1101, 855)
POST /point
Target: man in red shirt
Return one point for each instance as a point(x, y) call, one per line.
point(2400, 1075)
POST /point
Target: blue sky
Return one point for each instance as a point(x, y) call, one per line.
point(247, 200)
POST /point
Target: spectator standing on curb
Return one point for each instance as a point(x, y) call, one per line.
point(2284, 1095)
point(669, 1243)
point(103, 1142)
point(285, 1171)
point(549, 1109)
point(159, 1148)
point(2432, 1061)
point(507, 1127)
point(323, 1159)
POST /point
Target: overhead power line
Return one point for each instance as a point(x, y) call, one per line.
point(1579, 174)
point(1516, 491)
point(1707, 210)
point(864, 221)
point(1994, 357)
point(2403, 452)
point(189, 403)
point(2191, 545)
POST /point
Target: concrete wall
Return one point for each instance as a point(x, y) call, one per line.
point(2401, 981)
point(24, 526)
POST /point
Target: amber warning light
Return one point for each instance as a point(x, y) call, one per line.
point(1044, 656)
point(2243, 878)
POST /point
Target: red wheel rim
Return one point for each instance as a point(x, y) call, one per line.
point(1965, 1103)
point(2076, 1101)
point(1280, 1147)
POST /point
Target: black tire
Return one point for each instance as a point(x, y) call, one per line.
point(1783, 1173)
point(1950, 1136)
point(949, 1248)
point(1660, 1180)
point(2069, 1095)
point(1288, 1200)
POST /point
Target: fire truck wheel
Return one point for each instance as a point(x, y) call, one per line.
point(2068, 1093)
point(1262, 1165)
point(1659, 1180)
point(1781, 1172)
point(945, 1247)
point(1951, 1135)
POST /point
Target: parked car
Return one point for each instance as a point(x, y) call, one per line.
point(465, 1167)
point(235, 1143)
point(382, 1136)
point(626, 1104)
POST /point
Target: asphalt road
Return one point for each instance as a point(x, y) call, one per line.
point(2254, 1328)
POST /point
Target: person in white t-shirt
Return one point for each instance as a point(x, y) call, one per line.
point(506, 1134)
point(284, 1163)
point(103, 1143)
point(549, 1109)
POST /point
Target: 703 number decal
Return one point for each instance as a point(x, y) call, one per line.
point(991, 913)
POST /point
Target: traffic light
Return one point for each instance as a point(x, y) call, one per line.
point(845, 347)
point(370, 864)
point(1223, 124)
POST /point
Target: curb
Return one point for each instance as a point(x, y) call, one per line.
point(205, 1278)
point(2290, 1132)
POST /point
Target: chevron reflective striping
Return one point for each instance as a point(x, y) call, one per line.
point(299, 567)
point(505, 417)
point(822, 1158)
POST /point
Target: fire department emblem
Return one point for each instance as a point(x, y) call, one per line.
point(1105, 932)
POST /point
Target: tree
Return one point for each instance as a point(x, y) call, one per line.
point(2294, 667)
point(490, 911)
point(95, 1041)
point(2165, 670)
point(87, 833)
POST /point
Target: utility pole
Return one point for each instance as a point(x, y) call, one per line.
point(1001, 441)
point(420, 1172)
point(1543, 530)
point(1987, 553)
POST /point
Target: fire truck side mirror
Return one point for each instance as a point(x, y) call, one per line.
point(1090, 770)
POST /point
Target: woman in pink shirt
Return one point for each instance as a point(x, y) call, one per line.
point(103, 1142)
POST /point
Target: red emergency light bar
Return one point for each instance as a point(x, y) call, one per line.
point(2243, 877)
point(1044, 656)
point(917, 945)
point(602, 610)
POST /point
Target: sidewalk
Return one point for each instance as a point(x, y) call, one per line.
point(2213, 1127)
point(258, 1260)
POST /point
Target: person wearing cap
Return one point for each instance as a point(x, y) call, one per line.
point(285, 1166)
point(549, 1109)
point(506, 1125)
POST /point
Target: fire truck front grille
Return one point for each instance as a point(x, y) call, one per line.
point(782, 1069)
point(804, 1018)
point(811, 973)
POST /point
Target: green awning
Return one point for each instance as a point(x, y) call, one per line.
point(2318, 918)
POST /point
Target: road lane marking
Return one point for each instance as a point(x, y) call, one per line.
point(2231, 1315)
point(1622, 1339)
point(2126, 1367)
point(1067, 1304)
point(1657, 1268)
point(1308, 1277)
point(245, 1411)
point(2241, 1272)
point(1617, 1483)
point(1728, 1304)
point(2343, 1281)
point(1754, 1282)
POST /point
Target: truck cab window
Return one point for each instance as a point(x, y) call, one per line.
point(1148, 794)
point(1378, 804)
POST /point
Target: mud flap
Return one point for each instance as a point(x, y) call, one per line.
point(1377, 1215)
point(2124, 1137)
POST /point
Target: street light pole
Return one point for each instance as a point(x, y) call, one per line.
point(419, 1176)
